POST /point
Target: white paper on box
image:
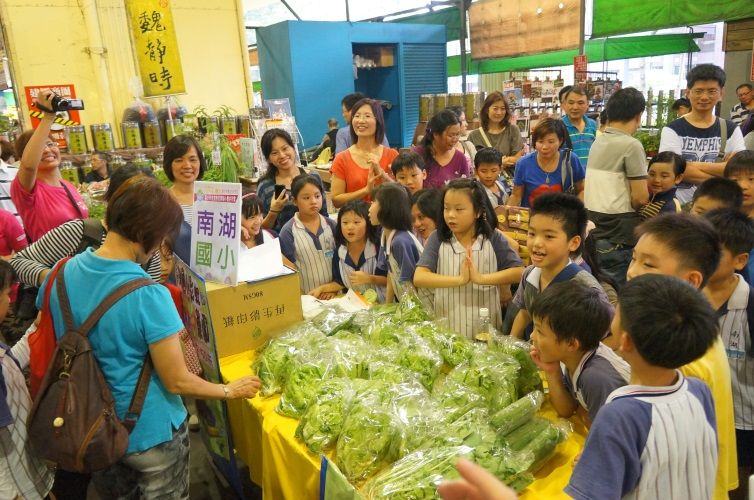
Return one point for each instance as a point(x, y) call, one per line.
point(262, 262)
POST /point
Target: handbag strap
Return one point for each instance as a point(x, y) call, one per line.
point(567, 170)
point(50, 281)
point(140, 393)
point(73, 200)
point(484, 136)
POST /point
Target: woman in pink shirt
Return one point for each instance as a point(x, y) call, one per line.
point(43, 199)
point(364, 165)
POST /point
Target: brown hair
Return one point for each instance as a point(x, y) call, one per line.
point(576, 89)
point(549, 126)
point(144, 212)
point(6, 149)
point(21, 142)
point(484, 113)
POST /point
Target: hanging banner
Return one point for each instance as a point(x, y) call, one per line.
point(156, 47)
point(216, 231)
point(63, 118)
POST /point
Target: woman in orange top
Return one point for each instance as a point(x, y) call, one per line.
point(366, 164)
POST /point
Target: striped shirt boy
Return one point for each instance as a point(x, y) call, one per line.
point(650, 442)
point(312, 253)
point(461, 304)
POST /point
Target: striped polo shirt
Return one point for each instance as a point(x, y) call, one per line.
point(735, 316)
point(312, 253)
point(650, 442)
point(7, 174)
point(461, 304)
point(343, 265)
point(581, 140)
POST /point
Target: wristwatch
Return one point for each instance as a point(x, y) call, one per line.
point(226, 390)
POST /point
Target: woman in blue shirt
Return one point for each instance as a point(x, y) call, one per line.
point(140, 215)
point(547, 168)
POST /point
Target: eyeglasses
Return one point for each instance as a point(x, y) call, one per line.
point(50, 144)
point(709, 92)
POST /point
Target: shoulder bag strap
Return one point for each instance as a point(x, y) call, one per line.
point(484, 136)
point(140, 394)
point(51, 279)
point(567, 171)
point(723, 137)
point(73, 200)
point(102, 308)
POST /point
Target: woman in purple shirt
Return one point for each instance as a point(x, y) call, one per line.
point(443, 161)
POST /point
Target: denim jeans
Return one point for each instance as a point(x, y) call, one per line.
point(614, 259)
point(159, 472)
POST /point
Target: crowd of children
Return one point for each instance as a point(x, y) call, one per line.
point(639, 320)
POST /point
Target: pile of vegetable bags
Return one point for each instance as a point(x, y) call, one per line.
point(397, 398)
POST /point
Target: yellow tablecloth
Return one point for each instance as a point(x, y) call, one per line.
point(285, 469)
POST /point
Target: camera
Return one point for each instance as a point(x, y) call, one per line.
point(62, 104)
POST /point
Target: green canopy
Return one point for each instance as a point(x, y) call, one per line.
point(604, 49)
point(615, 17)
point(451, 18)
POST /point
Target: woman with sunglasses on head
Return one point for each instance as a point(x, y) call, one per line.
point(43, 199)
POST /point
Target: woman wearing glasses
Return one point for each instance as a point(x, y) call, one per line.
point(438, 148)
point(43, 199)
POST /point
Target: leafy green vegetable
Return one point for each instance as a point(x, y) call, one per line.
point(410, 308)
point(301, 388)
point(390, 372)
point(457, 398)
point(416, 475)
point(368, 440)
point(542, 447)
point(492, 374)
point(517, 413)
point(529, 379)
point(322, 422)
point(418, 356)
point(519, 438)
point(275, 361)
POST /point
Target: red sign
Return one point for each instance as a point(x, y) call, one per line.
point(579, 68)
point(64, 118)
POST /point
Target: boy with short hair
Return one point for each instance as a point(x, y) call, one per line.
point(488, 166)
point(733, 299)
point(557, 222)
point(665, 173)
point(740, 168)
point(408, 170)
point(717, 192)
point(615, 185)
point(654, 438)
point(570, 320)
point(688, 248)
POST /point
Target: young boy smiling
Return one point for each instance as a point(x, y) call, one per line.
point(688, 248)
point(570, 320)
point(408, 170)
point(556, 224)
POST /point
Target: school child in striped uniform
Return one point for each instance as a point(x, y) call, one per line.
point(399, 248)
point(252, 214)
point(654, 438)
point(354, 263)
point(466, 260)
point(664, 174)
point(688, 248)
point(733, 299)
point(409, 171)
point(308, 239)
point(426, 212)
point(488, 166)
point(570, 320)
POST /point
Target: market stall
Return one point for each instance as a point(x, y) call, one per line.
point(278, 448)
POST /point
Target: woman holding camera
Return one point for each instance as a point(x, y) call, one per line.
point(275, 186)
point(43, 199)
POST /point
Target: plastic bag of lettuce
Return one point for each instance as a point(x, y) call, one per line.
point(278, 356)
point(371, 433)
point(322, 421)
